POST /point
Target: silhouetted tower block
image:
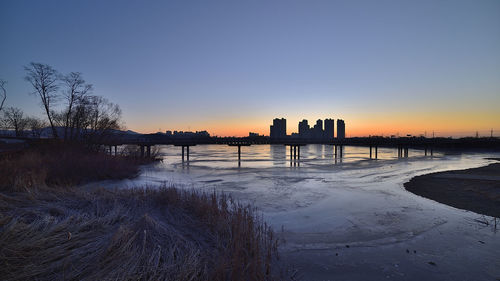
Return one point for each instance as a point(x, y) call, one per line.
point(318, 130)
point(329, 129)
point(304, 129)
point(278, 129)
point(340, 129)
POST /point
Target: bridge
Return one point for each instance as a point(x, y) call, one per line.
point(427, 145)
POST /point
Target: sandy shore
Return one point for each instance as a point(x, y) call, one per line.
point(476, 189)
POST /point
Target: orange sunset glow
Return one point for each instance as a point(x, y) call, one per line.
point(443, 124)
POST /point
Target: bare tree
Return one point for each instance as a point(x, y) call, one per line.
point(94, 119)
point(76, 91)
point(36, 126)
point(100, 118)
point(80, 118)
point(105, 114)
point(3, 94)
point(13, 119)
point(43, 78)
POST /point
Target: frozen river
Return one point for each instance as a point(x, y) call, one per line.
point(348, 219)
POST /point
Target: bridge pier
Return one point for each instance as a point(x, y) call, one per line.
point(187, 150)
point(402, 151)
point(145, 150)
point(239, 145)
point(294, 156)
point(294, 153)
point(338, 150)
point(116, 149)
point(376, 151)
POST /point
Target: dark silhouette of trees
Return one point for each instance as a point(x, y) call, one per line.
point(76, 91)
point(3, 94)
point(36, 126)
point(13, 118)
point(44, 80)
point(84, 118)
point(92, 119)
point(103, 117)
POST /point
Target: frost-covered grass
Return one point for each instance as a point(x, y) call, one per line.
point(53, 231)
point(141, 234)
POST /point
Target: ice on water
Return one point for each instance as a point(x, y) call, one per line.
point(324, 203)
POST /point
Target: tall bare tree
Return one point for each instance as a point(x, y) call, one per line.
point(14, 119)
point(75, 92)
point(105, 114)
point(95, 119)
point(3, 94)
point(44, 80)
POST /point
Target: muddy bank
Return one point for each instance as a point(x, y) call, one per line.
point(476, 189)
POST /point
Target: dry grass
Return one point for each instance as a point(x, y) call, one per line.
point(52, 231)
point(63, 165)
point(161, 234)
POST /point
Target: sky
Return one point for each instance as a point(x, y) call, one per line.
point(230, 67)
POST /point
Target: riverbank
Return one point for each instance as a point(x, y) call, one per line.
point(52, 230)
point(476, 189)
point(64, 165)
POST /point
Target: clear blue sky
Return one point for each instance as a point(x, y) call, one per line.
point(231, 66)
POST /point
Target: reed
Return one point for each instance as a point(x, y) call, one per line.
point(52, 230)
point(64, 165)
point(139, 234)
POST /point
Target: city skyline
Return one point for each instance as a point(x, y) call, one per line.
point(388, 67)
point(318, 132)
point(292, 128)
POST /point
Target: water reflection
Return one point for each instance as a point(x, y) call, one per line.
point(262, 156)
point(277, 154)
point(325, 202)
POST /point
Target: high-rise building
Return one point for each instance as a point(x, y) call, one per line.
point(340, 129)
point(304, 129)
point(319, 124)
point(329, 129)
point(278, 128)
point(318, 130)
